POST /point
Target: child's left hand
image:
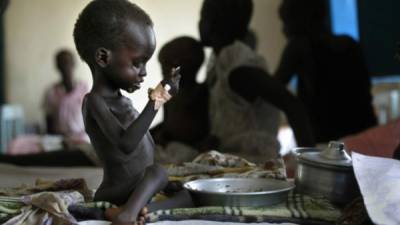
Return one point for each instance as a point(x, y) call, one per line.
point(159, 95)
point(165, 89)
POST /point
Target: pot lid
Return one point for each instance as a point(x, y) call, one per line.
point(333, 155)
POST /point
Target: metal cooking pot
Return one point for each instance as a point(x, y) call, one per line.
point(327, 172)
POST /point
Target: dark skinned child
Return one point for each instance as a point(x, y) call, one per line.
point(116, 39)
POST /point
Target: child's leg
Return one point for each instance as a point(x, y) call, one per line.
point(181, 199)
point(154, 180)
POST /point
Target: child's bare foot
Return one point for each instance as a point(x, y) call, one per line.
point(114, 214)
point(111, 213)
point(142, 216)
point(124, 223)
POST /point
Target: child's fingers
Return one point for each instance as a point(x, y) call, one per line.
point(141, 219)
point(144, 211)
point(111, 213)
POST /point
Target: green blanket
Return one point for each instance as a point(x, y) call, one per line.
point(297, 209)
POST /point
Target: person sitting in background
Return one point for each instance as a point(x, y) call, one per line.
point(244, 100)
point(186, 115)
point(30, 156)
point(63, 102)
point(334, 83)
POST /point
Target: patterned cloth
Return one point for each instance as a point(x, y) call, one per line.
point(216, 164)
point(47, 208)
point(45, 186)
point(45, 202)
point(298, 209)
point(11, 207)
point(243, 128)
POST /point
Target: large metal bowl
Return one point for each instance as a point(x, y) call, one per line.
point(238, 191)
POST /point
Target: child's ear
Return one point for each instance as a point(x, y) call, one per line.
point(103, 57)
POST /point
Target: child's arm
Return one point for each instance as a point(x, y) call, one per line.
point(126, 139)
point(288, 64)
point(256, 83)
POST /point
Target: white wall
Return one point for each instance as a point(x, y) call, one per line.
point(35, 30)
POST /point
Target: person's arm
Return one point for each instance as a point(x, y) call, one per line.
point(127, 139)
point(251, 83)
point(289, 62)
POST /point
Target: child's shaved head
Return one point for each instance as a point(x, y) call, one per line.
point(102, 23)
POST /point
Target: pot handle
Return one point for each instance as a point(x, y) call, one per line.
point(301, 150)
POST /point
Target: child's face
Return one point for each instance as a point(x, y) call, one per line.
point(65, 64)
point(127, 67)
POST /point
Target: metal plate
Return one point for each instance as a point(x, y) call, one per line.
point(238, 191)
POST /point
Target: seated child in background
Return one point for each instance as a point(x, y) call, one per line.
point(186, 115)
point(63, 101)
point(116, 45)
point(62, 104)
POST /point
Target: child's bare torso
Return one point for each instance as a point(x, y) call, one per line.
point(121, 170)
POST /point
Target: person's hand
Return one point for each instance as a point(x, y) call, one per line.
point(165, 89)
